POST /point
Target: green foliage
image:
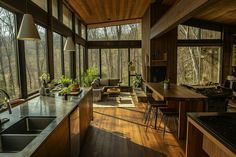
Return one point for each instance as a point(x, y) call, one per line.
point(137, 81)
point(89, 76)
point(45, 77)
point(65, 90)
point(65, 81)
point(167, 81)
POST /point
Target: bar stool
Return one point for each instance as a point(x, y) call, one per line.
point(152, 109)
point(167, 113)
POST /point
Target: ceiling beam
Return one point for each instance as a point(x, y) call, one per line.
point(179, 13)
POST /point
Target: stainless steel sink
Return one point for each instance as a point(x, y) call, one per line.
point(10, 143)
point(29, 125)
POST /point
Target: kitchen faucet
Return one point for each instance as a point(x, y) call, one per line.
point(6, 101)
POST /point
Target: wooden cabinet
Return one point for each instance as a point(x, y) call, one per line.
point(86, 114)
point(75, 133)
point(57, 144)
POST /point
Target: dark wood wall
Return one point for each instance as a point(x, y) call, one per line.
point(158, 53)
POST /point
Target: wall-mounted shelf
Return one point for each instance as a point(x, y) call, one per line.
point(159, 63)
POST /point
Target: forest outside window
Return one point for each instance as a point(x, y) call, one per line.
point(67, 17)
point(67, 60)
point(83, 31)
point(136, 59)
point(119, 32)
point(82, 52)
point(8, 54)
point(115, 64)
point(194, 33)
point(36, 59)
point(93, 60)
point(57, 55)
point(77, 68)
point(55, 8)
point(42, 4)
point(198, 65)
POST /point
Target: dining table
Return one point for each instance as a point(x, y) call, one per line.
point(181, 98)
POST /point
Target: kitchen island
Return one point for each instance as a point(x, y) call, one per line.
point(64, 135)
point(211, 135)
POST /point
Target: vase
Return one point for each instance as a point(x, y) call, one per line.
point(166, 85)
point(65, 96)
point(42, 91)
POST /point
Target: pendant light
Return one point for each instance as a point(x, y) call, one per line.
point(28, 30)
point(69, 45)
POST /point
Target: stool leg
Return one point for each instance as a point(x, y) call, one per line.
point(146, 113)
point(165, 124)
point(160, 122)
point(148, 117)
point(156, 116)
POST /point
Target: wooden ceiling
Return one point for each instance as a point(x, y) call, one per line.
point(223, 11)
point(102, 11)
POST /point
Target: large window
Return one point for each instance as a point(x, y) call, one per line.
point(55, 8)
point(66, 61)
point(36, 59)
point(83, 31)
point(115, 64)
point(82, 52)
point(57, 55)
point(120, 32)
point(198, 65)
point(77, 68)
point(8, 56)
point(136, 59)
point(42, 4)
point(94, 59)
point(67, 17)
point(188, 32)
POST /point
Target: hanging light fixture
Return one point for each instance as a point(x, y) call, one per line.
point(69, 45)
point(28, 30)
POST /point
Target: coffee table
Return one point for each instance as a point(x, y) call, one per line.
point(114, 92)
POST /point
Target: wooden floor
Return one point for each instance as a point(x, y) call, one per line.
point(120, 132)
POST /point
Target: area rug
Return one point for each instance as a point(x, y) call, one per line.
point(126, 101)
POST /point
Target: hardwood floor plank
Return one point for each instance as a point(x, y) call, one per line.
point(120, 132)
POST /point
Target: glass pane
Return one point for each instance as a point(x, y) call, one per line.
point(187, 32)
point(8, 57)
point(66, 60)
point(57, 52)
point(115, 64)
point(109, 63)
point(93, 59)
point(82, 51)
point(83, 31)
point(35, 55)
point(234, 56)
point(198, 65)
point(55, 9)
point(42, 4)
point(67, 17)
point(76, 26)
point(136, 59)
point(120, 32)
point(78, 73)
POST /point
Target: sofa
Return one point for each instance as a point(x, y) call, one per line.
point(101, 85)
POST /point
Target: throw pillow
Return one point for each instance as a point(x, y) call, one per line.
point(113, 82)
point(104, 82)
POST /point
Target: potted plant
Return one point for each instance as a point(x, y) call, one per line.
point(65, 81)
point(75, 86)
point(137, 81)
point(65, 91)
point(166, 83)
point(89, 76)
point(45, 79)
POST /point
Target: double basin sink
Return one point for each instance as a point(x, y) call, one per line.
point(19, 135)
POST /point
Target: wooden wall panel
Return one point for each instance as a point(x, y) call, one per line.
point(146, 44)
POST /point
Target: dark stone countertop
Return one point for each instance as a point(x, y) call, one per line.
point(41, 106)
point(222, 126)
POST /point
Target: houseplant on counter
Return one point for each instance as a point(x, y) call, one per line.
point(137, 81)
point(65, 81)
point(45, 79)
point(65, 91)
point(166, 83)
